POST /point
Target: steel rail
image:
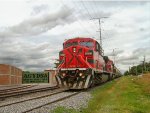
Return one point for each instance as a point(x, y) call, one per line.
point(60, 99)
point(17, 93)
point(34, 98)
point(16, 88)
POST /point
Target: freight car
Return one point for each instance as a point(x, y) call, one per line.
point(82, 64)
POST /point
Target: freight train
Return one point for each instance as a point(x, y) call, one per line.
point(83, 65)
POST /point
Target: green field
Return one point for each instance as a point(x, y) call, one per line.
point(127, 94)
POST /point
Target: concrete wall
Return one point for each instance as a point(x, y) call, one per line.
point(52, 79)
point(10, 75)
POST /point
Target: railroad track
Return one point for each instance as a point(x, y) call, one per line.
point(55, 101)
point(41, 100)
point(24, 100)
point(37, 103)
point(16, 88)
point(23, 92)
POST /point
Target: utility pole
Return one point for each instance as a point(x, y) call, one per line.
point(135, 68)
point(114, 55)
point(144, 64)
point(144, 67)
point(100, 31)
point(136, 71)
point(129, 70)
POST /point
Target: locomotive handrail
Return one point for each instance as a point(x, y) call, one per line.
point(59, 66)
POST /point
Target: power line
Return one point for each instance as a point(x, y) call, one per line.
point(87, 11)
point(92, 6)
point(81, 13)
point(100, 30)
point(94, 2)
point(80, 23)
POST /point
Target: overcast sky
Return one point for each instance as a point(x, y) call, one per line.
point(32, 31)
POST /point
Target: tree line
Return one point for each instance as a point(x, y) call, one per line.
point(138, 69)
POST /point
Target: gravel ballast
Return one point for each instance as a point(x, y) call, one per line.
point(76, 102)
point(21, 107)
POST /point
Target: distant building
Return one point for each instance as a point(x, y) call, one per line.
point(10, 75)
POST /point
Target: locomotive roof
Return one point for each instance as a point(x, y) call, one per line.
point(79, 39)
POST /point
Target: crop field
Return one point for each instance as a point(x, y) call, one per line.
point(128, 94)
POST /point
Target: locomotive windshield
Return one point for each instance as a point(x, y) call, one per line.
point(70, 44)
point(87, 44)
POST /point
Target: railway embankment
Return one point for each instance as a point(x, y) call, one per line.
point(127, 94)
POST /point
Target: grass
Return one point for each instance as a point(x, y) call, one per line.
point(124, 95)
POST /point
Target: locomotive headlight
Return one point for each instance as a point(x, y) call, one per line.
point(63, 74)
point(74, 49)
point(80, 74)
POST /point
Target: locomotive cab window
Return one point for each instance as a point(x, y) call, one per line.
point(87, 44)
point(70, 44)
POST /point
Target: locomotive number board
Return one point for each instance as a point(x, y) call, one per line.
point(35, 77)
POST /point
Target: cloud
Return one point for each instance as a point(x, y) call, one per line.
point(142, 51)
point(39, 24)
point(116, 52)
point(127, 58)
point(27, 55)
point(34, 43)
point(40, 8)
point(135, 57)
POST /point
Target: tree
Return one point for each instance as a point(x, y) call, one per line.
point(126, 73)
point(139, 69)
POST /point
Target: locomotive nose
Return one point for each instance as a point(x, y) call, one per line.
point(73, 55)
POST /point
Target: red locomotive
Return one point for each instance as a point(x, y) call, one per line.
point(82, 64)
